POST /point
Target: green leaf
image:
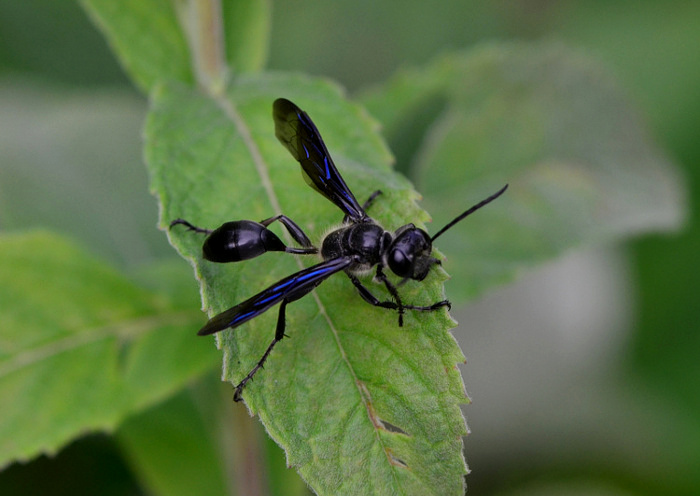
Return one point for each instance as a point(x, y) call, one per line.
point(146, 37)
point(581, 166)
point(247, 31)
point(81, 346)
point(79, 171)
point(175, 449)
point(330, 394)
point(150, 37)
point(201, 442)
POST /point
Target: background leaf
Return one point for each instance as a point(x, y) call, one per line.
point(175, 448)
point(82, 346)
point(151, 42)
point(549, 122)
point(247, 30)
point(201, 442)
point(325, 393)
point(147, 38)
point(71, 162)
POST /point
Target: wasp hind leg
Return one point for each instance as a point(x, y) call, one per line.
point(190, 227)
point(279, 334)
point(370, 200)
point(296, 233)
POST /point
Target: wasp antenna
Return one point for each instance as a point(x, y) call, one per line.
point(471, 211)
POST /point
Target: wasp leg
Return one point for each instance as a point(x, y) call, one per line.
point(190, 227)
point(371, 199)
point(294, 230)
point(367, 295)
point(279, 334)
point(392, 290)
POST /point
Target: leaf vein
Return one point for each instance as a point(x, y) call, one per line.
point(124, 330)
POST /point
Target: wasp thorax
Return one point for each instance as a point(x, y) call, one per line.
point(366, 242)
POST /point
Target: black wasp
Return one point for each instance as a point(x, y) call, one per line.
point(356, 247)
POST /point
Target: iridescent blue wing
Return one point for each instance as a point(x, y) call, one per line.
point(296, 131)
point(290, 288)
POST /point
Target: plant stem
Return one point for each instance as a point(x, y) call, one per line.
point(203, 23)
point(241, 439)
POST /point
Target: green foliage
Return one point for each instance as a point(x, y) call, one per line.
point(581, 166)
point(83, 347)
point(159, 40)
point(359, 405)
point(173, 448)
point(147, 38)
point(347, 368)
point(247, 33)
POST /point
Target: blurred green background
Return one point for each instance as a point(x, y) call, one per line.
point(584, 374)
